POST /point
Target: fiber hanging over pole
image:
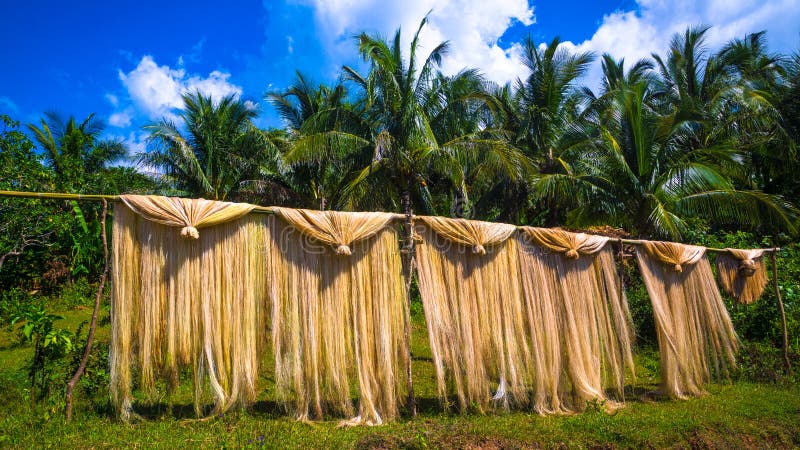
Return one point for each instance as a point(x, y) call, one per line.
point(187, 303)
point(338, 300)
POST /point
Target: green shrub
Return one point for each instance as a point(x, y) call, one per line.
point(12, 302)
point(762, 363)
point(50, 346)
point(78, 293)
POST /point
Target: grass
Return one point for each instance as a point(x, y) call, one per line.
point(734, 415)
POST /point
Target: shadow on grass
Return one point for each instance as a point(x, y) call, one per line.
point(427, 407)
point(265, 409)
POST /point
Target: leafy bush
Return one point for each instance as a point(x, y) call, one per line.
point(12, 302)
point(78, 293)
point(50, 346)
point(763, 363)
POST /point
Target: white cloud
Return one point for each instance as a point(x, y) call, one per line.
point(473, 28)
point(156, 90)
point(120, 119)
point(111, 98)
point(216, 85)
point(635, 35)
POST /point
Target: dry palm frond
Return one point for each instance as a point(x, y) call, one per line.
point(338, 314)
point(187, 303)
point(469, 283)
point(578, 318)
point(742, 274)
point(695, 336)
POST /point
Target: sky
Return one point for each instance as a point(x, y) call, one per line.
point(129, 62)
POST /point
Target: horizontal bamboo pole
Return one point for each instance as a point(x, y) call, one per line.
point(710, 249)
point(88, 197)
point(257, 209)
point(58, 196)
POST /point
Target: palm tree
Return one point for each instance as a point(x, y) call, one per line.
point(407, 145)
point(217, 149)
point(650, 181)
point(319, 140)
point(75, 151)
point(458, 108)
point(771, 83)
point(537, 115)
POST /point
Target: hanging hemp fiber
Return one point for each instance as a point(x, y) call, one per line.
point(182, 299)
point(695, 336)
point(338, 317)
point(742, 274)
point(578, 319)
point(470, 287)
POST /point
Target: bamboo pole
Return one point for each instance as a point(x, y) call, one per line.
point(257, 209)
point(786, 361)
point(710, 249)
point(89, 197)
point(58, 196)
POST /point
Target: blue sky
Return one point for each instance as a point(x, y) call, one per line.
point(128, 62)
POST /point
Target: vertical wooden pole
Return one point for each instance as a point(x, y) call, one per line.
point(620, 293)
point(408, 257)
point(90, 337)
point(786, 361)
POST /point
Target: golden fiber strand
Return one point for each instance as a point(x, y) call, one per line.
point(187, 304)
point(578, 319)
point(742, 274)
point(337, 316)
point(469, 283)
point(696, 338)
point(190, 214)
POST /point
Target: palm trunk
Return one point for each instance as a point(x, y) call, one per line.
point(408, 264)
point(458, 203)
point(552, 213)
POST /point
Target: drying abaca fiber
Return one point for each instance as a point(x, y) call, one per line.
point(742, 274)
point(578, 319)
point(469, 282)
point(185, 300)
point(338, 299)
point(695, 336)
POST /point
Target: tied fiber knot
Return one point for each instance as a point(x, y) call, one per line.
point(747, 267)
point(343, 250)
point(678, 268)
point(478, 249)
point(190, 232)
point(572, 254)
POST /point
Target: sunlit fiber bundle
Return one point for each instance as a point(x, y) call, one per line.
point(695, 336)
point(742, 274)
point(470, 287)
point(338, 314)
point(578, 318)
point(186, 299)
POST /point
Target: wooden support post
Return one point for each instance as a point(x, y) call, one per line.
point(621, 294)
point(408, 264)
point(90, 337)
point(786, 361)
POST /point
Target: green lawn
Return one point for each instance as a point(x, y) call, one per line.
point(737, 415)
